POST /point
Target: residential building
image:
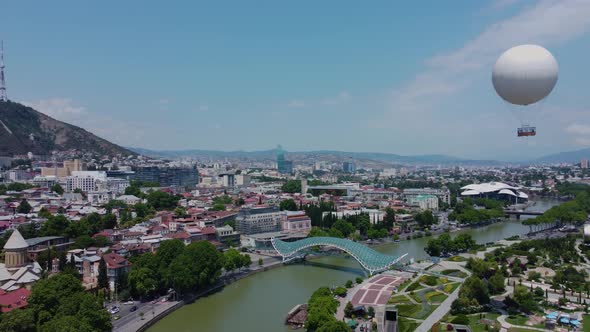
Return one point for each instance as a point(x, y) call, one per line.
point(45, 181)
point(116, 266)
point(226, 234)
point(584, 163)
point(64, 169)
point(424, 202)
point(296, 221)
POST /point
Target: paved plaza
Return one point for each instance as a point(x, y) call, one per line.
point(377, 290)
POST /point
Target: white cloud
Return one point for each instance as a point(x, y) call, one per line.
point(62, 109)
point(578, 129)
point(502, 4)
point(583, 141)
point(341, 98)
point(548, 22)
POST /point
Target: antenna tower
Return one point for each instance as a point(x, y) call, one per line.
point(2, 80)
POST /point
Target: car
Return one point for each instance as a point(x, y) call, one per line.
point(163, 300)
point(128, 303)
point(117, 317)
point(134, 308)
point(114, 310)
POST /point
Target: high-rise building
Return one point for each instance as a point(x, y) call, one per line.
point(348, 167)
point(584, 163)
point(168, 176)
point(284, 166)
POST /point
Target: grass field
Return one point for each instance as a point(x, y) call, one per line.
point(406, 325)
point(517, 319)
point(449, 288)
point(399, 299)
point(454, 273)
point(476, 323)
point(586, 323)
point(435, 297)
point(414, 286)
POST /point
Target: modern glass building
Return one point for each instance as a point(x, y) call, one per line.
point(284, 166)
point(168, 176)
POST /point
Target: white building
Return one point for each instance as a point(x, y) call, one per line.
point(443, 193)
point(424, 202)
point(95, 181)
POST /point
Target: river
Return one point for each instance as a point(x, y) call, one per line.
point(260, 302)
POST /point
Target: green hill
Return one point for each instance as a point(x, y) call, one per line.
point(23, 130)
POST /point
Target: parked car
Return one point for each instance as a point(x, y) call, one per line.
point(114, 310)
point(128, 303)
point(134, 308)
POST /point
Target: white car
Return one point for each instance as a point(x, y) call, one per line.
point(128, 303)
point(114, 310)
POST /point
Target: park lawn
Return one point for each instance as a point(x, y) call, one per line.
point(399, 299)
point(404, 285)
point(414, 286)
point(407, 325)
point(519, 329)
point(409, 310)
point(517, 320)
point(586, 323)
point(429, 280)
point(454, 273)
point(418, 297)
point(477, 326)
point(449, 288)
point(457, 259)
point(435, 297)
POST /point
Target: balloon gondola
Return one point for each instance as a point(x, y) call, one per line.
point(522, 76)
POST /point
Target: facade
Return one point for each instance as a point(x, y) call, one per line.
point(45, 181)
point(348, 167)
point(168, 176)
point(226, 234)
point(584, 163)
point(65, 169)
point(228, 180)
point(424, 202)
point(95, 181)
point(258, 220)
point(283, 166)
point(116, 266)
point(443, 193)
point(296, 222)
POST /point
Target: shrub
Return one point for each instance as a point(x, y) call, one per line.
point(461, 319)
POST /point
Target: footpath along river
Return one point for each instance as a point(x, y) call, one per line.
point(260, 302)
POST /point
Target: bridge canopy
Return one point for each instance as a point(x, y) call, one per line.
point(370, 260)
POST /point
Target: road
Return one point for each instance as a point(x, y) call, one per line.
point(439, 312)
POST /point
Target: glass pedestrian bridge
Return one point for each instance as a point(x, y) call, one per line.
point(371, 260)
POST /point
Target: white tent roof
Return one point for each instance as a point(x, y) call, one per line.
point(507, 192)
point(470, 193)
point(488, 187)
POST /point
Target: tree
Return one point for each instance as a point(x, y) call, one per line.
point(103, 279)
point(389, 218)
point(348, 284)
point(292, 186)
point(475, 288)
point(180, 211)
point(24, 207)
point(496, 283)
point(348, 309)
point(260, 261)
point(61, 296)
point(371, 312)
point(142, 281)
point(56, 188)
point(288, 205)
point(334, 326)
point(18, 320)
point(109, 221)
point(524, 299)
point(344, 227)
point(162, 201)
point(425, 219)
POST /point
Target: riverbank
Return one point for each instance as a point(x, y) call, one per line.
point(141, 323)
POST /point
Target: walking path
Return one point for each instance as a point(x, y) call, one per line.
point(439, 312)
point(506, 326)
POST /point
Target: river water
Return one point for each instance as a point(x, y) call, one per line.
point(260, 302)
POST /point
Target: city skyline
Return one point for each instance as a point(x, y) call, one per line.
point(335, 76)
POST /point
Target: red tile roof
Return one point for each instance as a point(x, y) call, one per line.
point(13, 300)
point(115, 261)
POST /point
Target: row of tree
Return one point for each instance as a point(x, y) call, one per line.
point(444, 245)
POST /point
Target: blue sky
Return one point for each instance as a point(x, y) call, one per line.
point(401, 77)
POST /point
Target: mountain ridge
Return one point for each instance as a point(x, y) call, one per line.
point(23, 130)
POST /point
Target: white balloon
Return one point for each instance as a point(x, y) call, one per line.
point(525, 74)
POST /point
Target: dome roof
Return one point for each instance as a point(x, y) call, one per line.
point(16, 241)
